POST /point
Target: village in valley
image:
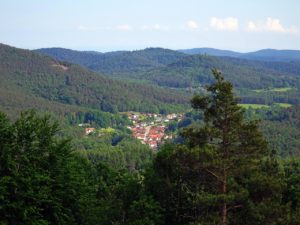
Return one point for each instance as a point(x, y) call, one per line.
point(150, 128)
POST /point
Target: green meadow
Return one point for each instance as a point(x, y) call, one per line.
point(253, 106)
point(260, 106)
point(283, 89)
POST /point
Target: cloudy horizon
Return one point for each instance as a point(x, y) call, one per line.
point(119, 25)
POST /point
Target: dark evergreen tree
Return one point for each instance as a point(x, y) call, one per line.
point(225, 174)
point(44, 181)
point(292, 191)
point(41, 180)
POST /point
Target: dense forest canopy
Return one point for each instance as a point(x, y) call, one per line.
point(272, 55)
point(30, 80)
point(164, 66)
point(54, 85)
point(191, 72)
point(222, 173)
point(145, 112)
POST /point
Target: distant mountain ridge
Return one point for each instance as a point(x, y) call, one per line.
point(50, 77)
point(273, 55)
point(118, 61)
point(32, 80)
point(210, 51)
point(260, 55)
point(169, 68)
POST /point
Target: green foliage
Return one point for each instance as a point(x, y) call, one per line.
point(129, 154)
point(281, 128)
point(253, 106)
point(223, 167)
point(225, 174)
point(292, 193)
point(168, 68)
point(30, 80)
point(115, 62)
point(265, 55)
point(41, 182)
point(97, 119)
point(291, 96)
point(121, 199)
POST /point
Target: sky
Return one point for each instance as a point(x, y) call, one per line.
point(109, 25)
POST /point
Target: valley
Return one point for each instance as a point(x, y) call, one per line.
point(151, 81)
point(123, 111)
point(128, 128)
point(189, 74)
point(149, 112)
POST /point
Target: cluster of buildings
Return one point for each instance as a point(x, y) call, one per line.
point(89, 130)
point(151, 135)
point(150, 128)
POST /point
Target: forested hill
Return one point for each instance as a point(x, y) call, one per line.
point(195, 70)
point(119, 61)
point(210, 51)
point(260, 55)
point(169, 68)
point(29, 79)
point(273, 55)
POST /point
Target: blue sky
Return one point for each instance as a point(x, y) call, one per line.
point(107, 25)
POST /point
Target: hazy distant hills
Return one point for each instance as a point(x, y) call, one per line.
point(196, 69)
point(164, 67)
point(119, 61)
point(31, 80)
point(261, 55)
point(210, 51)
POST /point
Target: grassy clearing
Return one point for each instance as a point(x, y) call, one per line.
point(284, 105)
point(284, 89)
point(260, 106)
point(253, 106)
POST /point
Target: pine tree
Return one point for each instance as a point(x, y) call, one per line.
point(224, 174)
point(238, 148)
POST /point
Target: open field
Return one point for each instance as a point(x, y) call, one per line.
point(284, 105)
point(260, 106)
point(283, 89)
point(253, 106)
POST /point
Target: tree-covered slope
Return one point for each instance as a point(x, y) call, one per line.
point(28, 76)
point(282, 130)
point(271, 55)
point(191, 71)
point(210, 51)
point(195, 70)
point(119, 61)
point(169, 68)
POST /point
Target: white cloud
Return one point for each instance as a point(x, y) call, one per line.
point(191, 24)
point(124, 27)
point(229, 24)
point(252, 26)
point(270, 25)
point(157, 27)
point(274, 25)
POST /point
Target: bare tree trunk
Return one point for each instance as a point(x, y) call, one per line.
point(224, 214)
point(224, 207)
